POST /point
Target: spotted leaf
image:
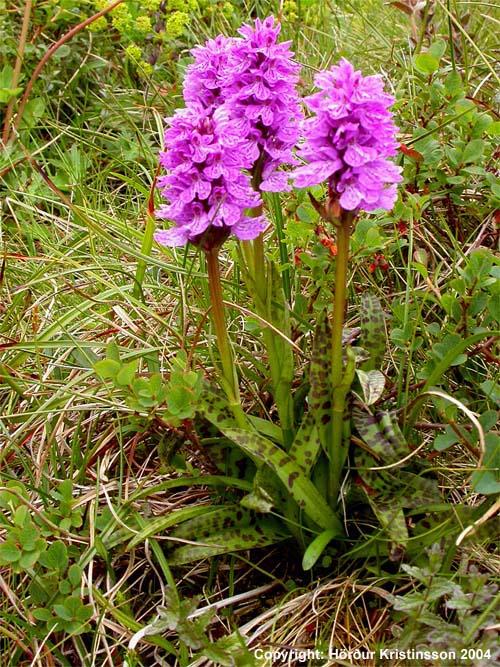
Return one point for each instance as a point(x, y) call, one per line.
point(228, 541)
point(306, 445)
point(298, 485)
point(372, 331)
point(320, 394)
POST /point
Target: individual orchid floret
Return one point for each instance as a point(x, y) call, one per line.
point(205, 186)
point(349, 139)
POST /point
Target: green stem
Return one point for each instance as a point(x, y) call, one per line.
point(17, 68)
point(264, 292)
point(339, 304)
point(259, 267)
point(147, 244)
point(229, 376)
point(285, 272)
point(338, 450)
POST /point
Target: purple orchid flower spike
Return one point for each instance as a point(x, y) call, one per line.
point(206, 187)
point(349, 139)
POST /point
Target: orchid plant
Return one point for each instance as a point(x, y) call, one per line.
point(243, 134)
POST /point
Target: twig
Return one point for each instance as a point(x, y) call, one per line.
point(17, 68)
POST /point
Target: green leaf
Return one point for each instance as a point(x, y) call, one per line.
point(473, 151)
point(7, 92)
point(487, 479)
point(63, 612)
point(214, 521)
point(258, 500)
point(113, 352)
point(65, 587)
point(56, 557)
point(215, 408)
point(393, 521)
point(316, 548)
point(445, 440)
point(180, 401)
point(372, 383)
point(33, 111)
point(454, 347)
point(306, 445)
point(307, 213)
point(291, 475)
point(126, 373)
point(491, 389)
point(159, 525)
point(75, 575)
point(65, 489)
point(28, 559)
point(42, 614)
point(426, 63)
point(382, 435)
point(107, 368)
point(437, 48)
point(237, 539)
point(9, 553)
point(320, 395)
point(21, 517)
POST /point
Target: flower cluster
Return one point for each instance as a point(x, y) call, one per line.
point(244, 89)
point(255, 78)
point(349, 138)
point(261, 92)
point(205, 78)
point(205, 183)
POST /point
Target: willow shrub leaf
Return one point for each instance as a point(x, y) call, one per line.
point(426, 63)
point(372, 331)
point(487, 479)
point(291, 475)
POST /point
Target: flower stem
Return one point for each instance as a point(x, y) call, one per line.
point(229, 376)
point(259, 267)
point(264, 292)
point(340, 383)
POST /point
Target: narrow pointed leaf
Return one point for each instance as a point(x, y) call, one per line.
point(372, 331)
point(316, 548)
point(291, 475)
point(159, 525)
point(306, 445)
point(229, 541)
point(212, 522)
point(320, 395)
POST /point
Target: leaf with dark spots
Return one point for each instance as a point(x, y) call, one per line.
point(302, 490)
point(372, 331)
